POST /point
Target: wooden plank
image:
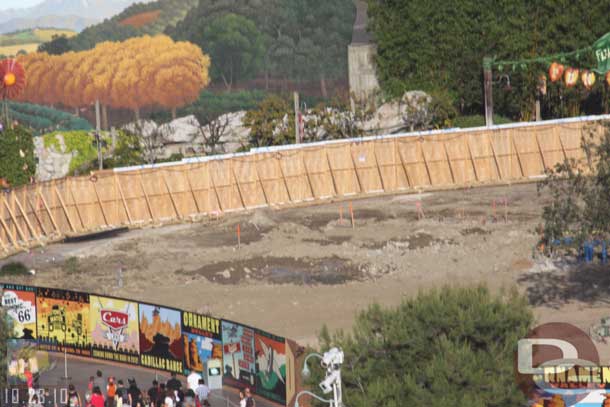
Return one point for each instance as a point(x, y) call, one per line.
point(279, 163)
point(544, 167)
point(99, 201)
point(332, 175)
point(150, 211)
point(449, 162)
point(188, 180)
point(4, 246)
point(404, 167)
point(241, 197)
point(27, 222)
point(8, 233)
point(171, 196)
point(474, 166)
point(493, 151)
point(313, 195)
point(351, 154)
point(80, 218)
point(421, 147)
point(40, 222)
point(14, 219)
point(258, 177)
point(46, 207)
point(512, 139)
point(215, 190)
point(118, 185)
point(379, 168)
point(63, 205)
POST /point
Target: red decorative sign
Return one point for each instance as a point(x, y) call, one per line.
point(234, 347)
point(114, 319)
point(555, 71)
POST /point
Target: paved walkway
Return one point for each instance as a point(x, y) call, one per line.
point(79, 370)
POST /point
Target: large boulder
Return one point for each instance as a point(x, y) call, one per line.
point(407, 113)
point(52, 163)
point(181, 130)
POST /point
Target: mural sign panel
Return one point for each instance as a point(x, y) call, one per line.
point(270, 366)
point(202, 340)
point(62, 321)
point(20, 303)
point(238, 355)
point(23, 357)
point(115, 333)
point(161, 345)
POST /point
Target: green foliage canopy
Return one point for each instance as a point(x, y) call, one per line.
point(448, 347)
point(17, 162)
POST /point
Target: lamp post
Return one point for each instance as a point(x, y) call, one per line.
point(331, 361)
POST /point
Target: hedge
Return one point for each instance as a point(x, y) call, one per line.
point(17, 162)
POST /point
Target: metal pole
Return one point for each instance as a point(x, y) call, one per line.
point(488, 90)
point(97, 132)
point(297, 133)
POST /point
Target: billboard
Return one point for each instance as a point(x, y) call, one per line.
point(62, 321)
point(238, 355)
point(202, 340)
point(23, 355)
point(161, 345)
point(114, 328)
point(270, 366)
point(20, 303)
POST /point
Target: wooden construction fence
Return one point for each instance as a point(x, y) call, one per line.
point(43, 212)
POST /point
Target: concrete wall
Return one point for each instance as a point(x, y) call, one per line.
point(362, 76)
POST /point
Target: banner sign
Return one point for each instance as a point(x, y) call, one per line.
point(20, 303)
point(202, 340)
point(238, 355)
point(115, 333)
point(601, 48)
point(270, 366)
point(62, 320)
point(161, 345)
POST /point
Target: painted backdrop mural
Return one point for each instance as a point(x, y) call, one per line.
point(62, 319)
point(115, 333)
point(238, 355)
point(20, 302)
point(270, 366)
point(161, 338)
point(202, 340)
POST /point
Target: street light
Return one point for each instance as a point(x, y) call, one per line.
point(331, 361)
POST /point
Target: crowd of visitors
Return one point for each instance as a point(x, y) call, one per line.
point(113, 393)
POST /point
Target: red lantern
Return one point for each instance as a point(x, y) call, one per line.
point(555, 71)
point(571, 77)
point(588, 79)
point(608, 77)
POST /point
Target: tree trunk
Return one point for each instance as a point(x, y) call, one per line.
point(136, 111)
point(76, 111)
point(173, 113)
point(104, 117)
point(323, 86)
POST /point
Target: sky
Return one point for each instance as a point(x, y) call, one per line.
point(6, 4)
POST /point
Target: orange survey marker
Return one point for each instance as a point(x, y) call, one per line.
point(238, 236)
point(351, 212)
point(420, 210)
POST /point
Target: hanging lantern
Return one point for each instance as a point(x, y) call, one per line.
point(555, 71)
point(588, 79)
point(542, 84)
point(571, 77)
point(608, 77)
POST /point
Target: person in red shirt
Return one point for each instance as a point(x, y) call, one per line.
point(97, 400)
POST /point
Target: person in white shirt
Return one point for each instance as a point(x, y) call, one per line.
point(202, 393)
point(242, 399)
point(193, 380)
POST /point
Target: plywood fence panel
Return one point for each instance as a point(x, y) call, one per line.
point(390, 165)
point(205, 196)
point(64, 204)
point(223, 182)
point(459, 159)
point(342, 169)
point(412, 157)
point(367, 169)
point(248, 182)
point(298, 181)
point(505, 155)
point(551, 146)
point(273, 184)
point(435, 157)
point(529, 153)
point(45, 209)
point(484, 159)
point(155, 189)
point(180, 191)
point(319, 173)
point(17, 218)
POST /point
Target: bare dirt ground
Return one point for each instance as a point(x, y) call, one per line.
point(300, 268)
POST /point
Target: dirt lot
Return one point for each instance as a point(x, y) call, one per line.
point(299, 268)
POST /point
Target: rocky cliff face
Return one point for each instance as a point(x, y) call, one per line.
point(51, 162)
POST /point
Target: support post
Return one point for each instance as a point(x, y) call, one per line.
point(98, 135)
point(297, 133)
point(488, 89)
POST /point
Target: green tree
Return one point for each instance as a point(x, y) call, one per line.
point(453, 346)
point(580, 193)
point(271, 123)
point(235, 46)
point(58, 45)
point(440, 45)
point(17, 163)
point(5, 330)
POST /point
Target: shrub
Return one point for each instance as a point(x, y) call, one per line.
point(477, 121)
point(79, 142)
point(453, 346)
point(42, 119)
point(17, 163)
point(14, 269)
